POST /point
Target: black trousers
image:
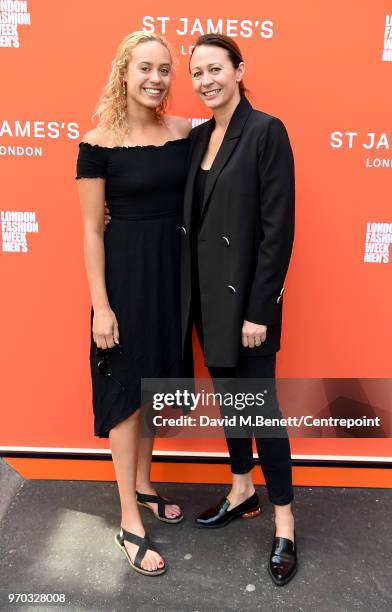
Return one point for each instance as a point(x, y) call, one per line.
point(274, 452)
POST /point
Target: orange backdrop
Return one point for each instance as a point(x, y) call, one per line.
point(322, 67)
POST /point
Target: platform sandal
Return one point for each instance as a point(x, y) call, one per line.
point(143, 498)
point(144, 545)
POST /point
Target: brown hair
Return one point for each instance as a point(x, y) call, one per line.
point(227, 43)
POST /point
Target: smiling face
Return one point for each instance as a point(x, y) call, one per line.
point(149, 74)
point(214, 78)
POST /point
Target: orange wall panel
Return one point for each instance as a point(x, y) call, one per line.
point(324, 69)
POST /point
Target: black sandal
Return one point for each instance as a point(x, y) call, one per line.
point(143, 498)
point(144, 545)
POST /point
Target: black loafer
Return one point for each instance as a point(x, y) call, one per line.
point(283, 560)
point(219, 515)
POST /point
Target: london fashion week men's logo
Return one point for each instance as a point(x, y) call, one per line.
point(387, 51)
point(13, 14)
point(15, 225)
point(377, 242)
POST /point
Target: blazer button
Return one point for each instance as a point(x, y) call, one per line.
point(225, 241)
point(232, 289)
point(183, 229)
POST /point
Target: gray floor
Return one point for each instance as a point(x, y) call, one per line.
point(57, 536)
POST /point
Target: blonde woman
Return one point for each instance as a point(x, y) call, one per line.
point(135, 160)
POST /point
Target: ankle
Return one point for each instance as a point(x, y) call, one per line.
point(133, 526)
point(284, 517)
point(243, 491)
point(131, 520)
point(143, 486)
point(242, 485)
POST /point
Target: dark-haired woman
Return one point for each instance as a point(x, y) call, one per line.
point(237, 238)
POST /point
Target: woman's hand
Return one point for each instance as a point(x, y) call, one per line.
point(105, 328)
point(253, 334)
point(107, 215)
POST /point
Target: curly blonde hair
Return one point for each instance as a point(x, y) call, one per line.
point(111, 109)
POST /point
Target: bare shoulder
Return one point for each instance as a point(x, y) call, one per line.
point(179, 126)
point(98, 136)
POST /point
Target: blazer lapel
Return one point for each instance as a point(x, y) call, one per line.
point(227, 147)
point(196, 156)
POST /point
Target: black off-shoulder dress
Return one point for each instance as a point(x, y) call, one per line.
point(144, 189)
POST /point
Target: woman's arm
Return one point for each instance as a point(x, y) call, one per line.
point(92, 198)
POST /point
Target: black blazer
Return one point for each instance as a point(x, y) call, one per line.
point(245, 235)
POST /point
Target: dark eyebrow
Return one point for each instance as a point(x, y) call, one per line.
point(208, 66)
point(150, 64)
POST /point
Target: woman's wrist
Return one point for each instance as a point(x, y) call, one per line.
point(102, 308)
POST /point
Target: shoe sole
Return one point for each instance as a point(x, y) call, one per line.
point(140, 570)
point(245, 515)
point(161, 518)
point(285, 580)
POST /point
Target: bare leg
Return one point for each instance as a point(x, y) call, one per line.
point(124, 440)
point(284, 522)
point(241, 489)
point(143, 476)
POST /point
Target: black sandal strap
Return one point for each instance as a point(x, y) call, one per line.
point(130, 537)
point(141, 552)
point(143, 543)
point(155, 499)
point(161, 507)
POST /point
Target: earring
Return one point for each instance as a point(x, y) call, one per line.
point(124, 88)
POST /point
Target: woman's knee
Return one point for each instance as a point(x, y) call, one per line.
point(133, 420)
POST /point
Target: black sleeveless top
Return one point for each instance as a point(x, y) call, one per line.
point(141, 181)
point(199, 189)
